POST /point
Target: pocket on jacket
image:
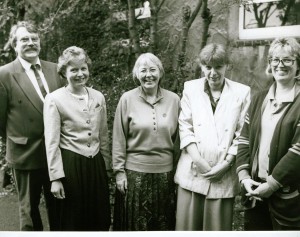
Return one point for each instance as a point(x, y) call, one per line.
point(97, 109)
point(18, 140)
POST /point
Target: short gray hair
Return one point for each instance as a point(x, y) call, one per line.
point(30, 27)
point(144, 58)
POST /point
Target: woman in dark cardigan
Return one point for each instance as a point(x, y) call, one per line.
point(268, 159)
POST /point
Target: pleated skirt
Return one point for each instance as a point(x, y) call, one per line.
point(195, 212)
point(86, 206)
point(149, 204)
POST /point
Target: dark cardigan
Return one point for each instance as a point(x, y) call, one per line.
point(284, 157)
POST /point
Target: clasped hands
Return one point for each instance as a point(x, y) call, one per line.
point(214, 173)
point(256, 190)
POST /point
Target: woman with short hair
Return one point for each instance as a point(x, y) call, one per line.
point(268, 159)
point(144, 135)
point(212, 114)
point(77, 146)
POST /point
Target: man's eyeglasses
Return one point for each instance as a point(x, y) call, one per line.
point(285, 61)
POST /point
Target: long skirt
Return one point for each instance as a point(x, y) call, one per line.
point(196, 212)
point(149, 203)
point(86, 206)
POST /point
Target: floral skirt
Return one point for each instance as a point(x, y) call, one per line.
point(149, 203)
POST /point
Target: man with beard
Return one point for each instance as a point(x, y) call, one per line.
point(24, 84)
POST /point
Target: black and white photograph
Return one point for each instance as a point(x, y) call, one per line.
point(159, 117)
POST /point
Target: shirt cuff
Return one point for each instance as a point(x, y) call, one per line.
point(232, 150)
point(273, 183)
point(186, 141)
point(120, 175)
point(244, 174)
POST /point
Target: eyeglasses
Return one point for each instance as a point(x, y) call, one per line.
point(285, 61)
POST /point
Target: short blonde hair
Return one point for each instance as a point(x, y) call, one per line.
point(213, 54)
point(290, 45)
point(145, 58)
point(70, 54)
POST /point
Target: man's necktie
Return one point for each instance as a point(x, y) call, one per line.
point(38, 79)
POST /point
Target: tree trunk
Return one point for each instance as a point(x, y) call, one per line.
point(134, 38)
point(206, 17)
point(187, 21)
point(153, 25)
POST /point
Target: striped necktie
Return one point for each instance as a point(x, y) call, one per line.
point(38, 79)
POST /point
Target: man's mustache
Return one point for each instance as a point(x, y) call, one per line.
point(31, 48)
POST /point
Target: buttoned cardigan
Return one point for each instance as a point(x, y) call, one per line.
point(72, 124)
point(284, 158)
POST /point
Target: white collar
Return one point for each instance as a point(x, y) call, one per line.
point(27, 65)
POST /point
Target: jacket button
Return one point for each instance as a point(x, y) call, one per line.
point(89, 134)
point(88, 144)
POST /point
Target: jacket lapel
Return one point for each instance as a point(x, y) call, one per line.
point(203, 99)
point(26, 86)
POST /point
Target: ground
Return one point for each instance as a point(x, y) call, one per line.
point(9, 217)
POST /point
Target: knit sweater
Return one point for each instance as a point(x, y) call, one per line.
point(144, 134)
point(284, 158)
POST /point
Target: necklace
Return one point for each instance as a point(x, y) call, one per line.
point(76, 94)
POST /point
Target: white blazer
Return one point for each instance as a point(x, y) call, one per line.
point(215, 134)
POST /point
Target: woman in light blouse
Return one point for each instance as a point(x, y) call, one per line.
point(268, 159)
point(77, 147)
point(211, 118)
point(144, 134)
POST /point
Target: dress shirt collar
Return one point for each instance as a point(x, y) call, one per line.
point(288, 97)
point(26, 65)
point(159, 95)
point(207, 87)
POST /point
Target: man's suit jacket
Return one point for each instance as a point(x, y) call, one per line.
point(21, 115)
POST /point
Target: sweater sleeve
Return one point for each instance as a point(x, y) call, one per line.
point(186, 129)
point(287, 169)
point(243, 155)
point(103, 136)
point(245, 106)
point(120, 131)
point(52, 123)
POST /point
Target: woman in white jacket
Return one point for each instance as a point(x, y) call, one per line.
point(212, 116)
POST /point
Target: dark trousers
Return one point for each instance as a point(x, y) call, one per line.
point(260, 218)
point(30, 184)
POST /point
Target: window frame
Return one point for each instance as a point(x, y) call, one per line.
point(265, 33)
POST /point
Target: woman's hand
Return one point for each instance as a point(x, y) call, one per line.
point(263, 190)
point(199, 165)
point(121, 181)
point(250, 185)
point(217, 172)
point(57, 189)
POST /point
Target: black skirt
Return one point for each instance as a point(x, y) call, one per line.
point(86, 206)
point(149, 204)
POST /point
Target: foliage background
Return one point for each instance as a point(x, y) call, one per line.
point(91, 24)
